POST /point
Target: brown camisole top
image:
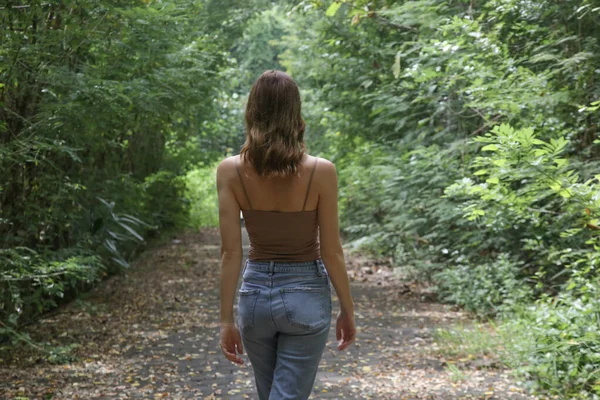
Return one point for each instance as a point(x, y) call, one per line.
point(282, 235)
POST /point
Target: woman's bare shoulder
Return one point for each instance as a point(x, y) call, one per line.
point(227, 166)
point(326, 172)
point(229, 161)
point(325, 163)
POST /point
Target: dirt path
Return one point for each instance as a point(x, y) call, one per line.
point(153, 333)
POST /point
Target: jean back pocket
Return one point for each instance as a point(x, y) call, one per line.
point(246, 306)
point(306, 307)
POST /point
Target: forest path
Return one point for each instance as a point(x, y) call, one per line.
point(152, 333)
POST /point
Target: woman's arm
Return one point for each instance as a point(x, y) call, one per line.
point(332, 253)
point(231, 240)
point(231, 258)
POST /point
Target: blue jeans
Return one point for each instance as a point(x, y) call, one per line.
point(284, 317)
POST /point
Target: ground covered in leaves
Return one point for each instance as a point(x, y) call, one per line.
point(153, 333)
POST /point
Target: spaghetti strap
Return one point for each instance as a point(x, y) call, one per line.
point(237, 168)
point(309, 182)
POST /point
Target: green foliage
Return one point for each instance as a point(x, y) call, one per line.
point(400, 197)
point(485, 289)
point(465, 137)
point(32, 282)
point(524, 191)
point(61, 354)
point(165, 202)
point(259, 47)
point(103, 109)
point(553, 343)
point(464, 134)
point(201, 191)
point(558, 343)
point(114, 231)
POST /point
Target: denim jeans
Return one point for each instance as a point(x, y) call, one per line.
point(284, 317)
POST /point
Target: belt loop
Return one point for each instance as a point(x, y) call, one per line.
point(318, 268)
point(271, 267)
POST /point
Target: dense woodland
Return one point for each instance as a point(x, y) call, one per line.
point(465, 134)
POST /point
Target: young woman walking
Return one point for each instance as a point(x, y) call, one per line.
point(289, 203)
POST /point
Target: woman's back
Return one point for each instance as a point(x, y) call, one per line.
point(279, 230)
point(283, 194)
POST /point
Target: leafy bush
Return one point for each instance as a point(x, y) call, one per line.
point(31, 283)
point(557, 343)
point(164, 202)
point(552, 344)
point(393, 205)
point(528, 199)
point(524, 186)
point(484, 289)
point(115, 235)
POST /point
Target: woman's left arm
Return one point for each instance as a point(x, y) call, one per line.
point(231, 259)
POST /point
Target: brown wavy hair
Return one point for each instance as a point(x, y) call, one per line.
point(274, 125)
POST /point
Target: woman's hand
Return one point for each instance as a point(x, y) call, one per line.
point(345, 330)
point(230, 341)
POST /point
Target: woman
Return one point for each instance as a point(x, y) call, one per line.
point(289, 203)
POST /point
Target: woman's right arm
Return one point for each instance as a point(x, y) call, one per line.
point(332, 253)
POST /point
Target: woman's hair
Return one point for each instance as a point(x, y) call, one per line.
point(274, 126)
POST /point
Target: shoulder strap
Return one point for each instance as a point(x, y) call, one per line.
point(237, 168)
point(310, 181)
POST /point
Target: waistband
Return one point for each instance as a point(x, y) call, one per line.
point(283, 266)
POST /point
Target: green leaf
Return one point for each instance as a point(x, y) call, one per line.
point(396, 66)
point(480, 172)
point(131, 231)
point(565, 193)
point(490, 147)
point(559, 144)
point(333, 9)
point(561, 162)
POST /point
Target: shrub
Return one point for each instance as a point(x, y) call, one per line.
point(32, 282)
point(485, 289)
point(558, 343)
